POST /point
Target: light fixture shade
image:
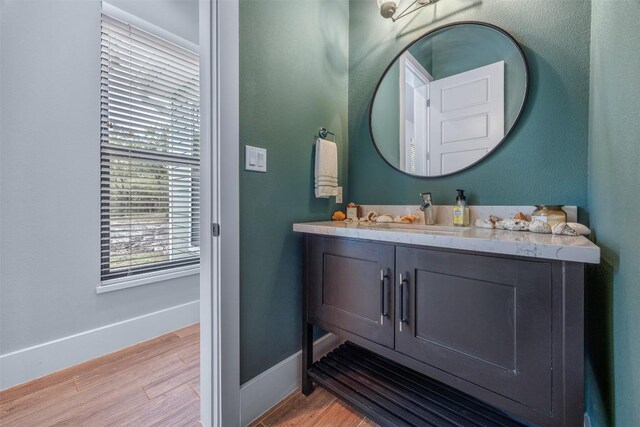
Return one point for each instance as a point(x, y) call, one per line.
point(388, 7)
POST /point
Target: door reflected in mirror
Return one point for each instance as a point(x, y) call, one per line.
point(449, 99)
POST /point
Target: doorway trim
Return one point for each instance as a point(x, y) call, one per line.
point(220, 256)
point(408, 61)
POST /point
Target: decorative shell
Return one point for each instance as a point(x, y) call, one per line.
point(582, 230)
point(489, 222)
point(485, 223)
point(372, 216)
point(493, 218)
point(563, 229)
point(409, 218)
point(398, 219)
point(384, 219)
point(537, 226)
point(513, 224)
point(338, 216)
point(521, 216)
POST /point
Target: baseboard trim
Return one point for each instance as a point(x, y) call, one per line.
point(33, 362)
point(263, 392)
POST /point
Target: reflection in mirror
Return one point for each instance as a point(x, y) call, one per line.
point(449, 99)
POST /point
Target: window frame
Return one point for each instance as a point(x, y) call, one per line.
point(163, 270)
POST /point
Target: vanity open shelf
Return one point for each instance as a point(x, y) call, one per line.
point(501, 329)
point(393, 395)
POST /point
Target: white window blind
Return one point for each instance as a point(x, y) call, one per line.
point(149, 153)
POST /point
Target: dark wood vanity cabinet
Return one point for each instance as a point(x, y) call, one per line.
point(351, 287)
point(506, 330)
point(486, 319)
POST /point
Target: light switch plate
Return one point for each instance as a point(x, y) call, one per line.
point(255, 159)
point(339, 195)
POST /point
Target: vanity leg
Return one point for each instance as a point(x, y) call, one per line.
point(307, 328)
point(573, 343)
point(307, 357)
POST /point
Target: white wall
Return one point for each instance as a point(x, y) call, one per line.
point(49, 176)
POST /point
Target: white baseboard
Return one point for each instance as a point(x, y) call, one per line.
point(263, 392)
point(43, 359)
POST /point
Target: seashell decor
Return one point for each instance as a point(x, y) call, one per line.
point(520, 222)
point(398, 220)
point(522, 216)
point(513, 224)
point(384, 219)
point(338, 216)
point(563, 229)
point(372, 217)
point(537, 226)
point(487, 222)
point(582, 230)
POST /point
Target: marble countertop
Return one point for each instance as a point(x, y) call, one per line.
point(519, 243)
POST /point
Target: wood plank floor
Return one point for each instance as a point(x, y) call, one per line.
point(154, 383)
point(320, 409)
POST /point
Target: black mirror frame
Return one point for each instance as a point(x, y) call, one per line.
point(504, 138)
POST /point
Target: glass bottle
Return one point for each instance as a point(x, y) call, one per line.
point(551, 214)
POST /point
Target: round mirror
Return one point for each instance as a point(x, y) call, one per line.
point(449, 99)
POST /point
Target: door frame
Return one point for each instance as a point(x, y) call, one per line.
point(220, 256)
point(407, 60)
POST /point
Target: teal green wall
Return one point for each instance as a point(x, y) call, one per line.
point(386, 114)
point(613, 388)
point(293, 79)
point(423, 52)
point(544, 160)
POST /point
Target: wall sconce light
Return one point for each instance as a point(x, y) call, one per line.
point(388, 8)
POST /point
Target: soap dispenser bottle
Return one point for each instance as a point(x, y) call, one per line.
point(460, 210)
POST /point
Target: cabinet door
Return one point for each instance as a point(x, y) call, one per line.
point(351, 286)
point(486, 320)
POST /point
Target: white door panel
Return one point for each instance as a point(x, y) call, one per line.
point(466, 117)
point(465, 95)
point(455, 161)
point(465, 128)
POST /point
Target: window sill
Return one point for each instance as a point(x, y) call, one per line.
point(130, 282)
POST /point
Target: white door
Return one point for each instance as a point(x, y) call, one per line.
point(414, 92)
point(466, 118)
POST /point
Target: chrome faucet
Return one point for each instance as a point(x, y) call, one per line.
point(427, 208)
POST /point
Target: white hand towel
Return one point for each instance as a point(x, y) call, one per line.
point(324, 192)
point(324, 181)
point(326, 159)
point(326, 173)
